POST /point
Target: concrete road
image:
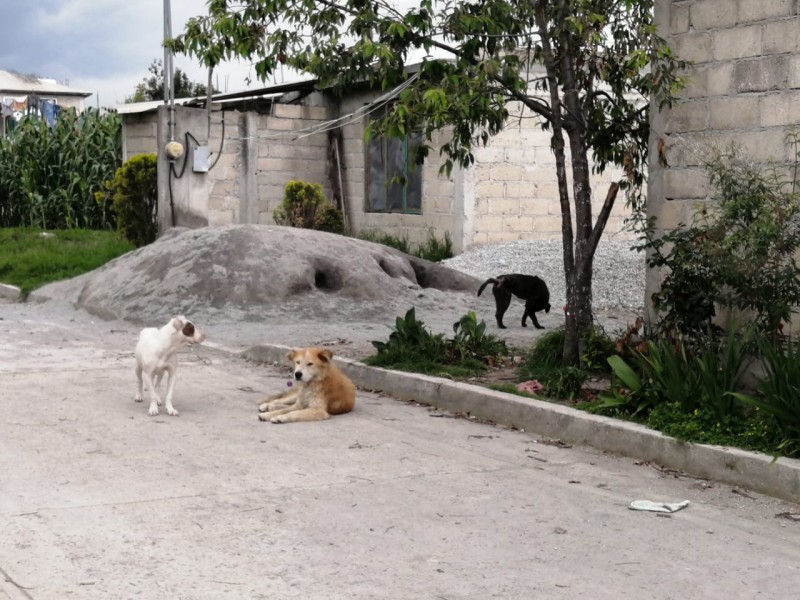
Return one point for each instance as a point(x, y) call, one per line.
point(393, 501)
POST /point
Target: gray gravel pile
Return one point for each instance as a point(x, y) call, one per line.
point(619, 272)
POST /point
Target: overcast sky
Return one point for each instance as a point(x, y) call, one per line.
point(100, 46)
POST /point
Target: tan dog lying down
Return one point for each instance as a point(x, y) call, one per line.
point(320, 390)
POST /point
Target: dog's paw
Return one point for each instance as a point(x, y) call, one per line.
point(137, 398)
point(263, 407)
point(278, 419)
point(524, 324)
point(153, 410)
point(539, 326)
point(263, 417)
point(172, 412)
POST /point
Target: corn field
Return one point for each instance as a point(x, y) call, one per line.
point(48, 175)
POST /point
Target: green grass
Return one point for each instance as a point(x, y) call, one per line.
point(431, 249)
point(464, 369)
point(29, 260)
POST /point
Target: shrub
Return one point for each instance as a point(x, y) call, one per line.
point(472, 341)
point(304, 205)
point(49, 175)
point(738, 253)
point(133, 198)
point(702, 375)
point(412, 347)
point(329, 218)
point(779, 392)
point(751, 430)
point(544, 362)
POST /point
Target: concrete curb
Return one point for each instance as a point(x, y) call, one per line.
point(732, 466)
point(10, 292)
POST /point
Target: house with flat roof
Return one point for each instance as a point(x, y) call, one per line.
point(239, 152)
point(24, 95)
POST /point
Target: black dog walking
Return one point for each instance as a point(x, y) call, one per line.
point(530, 288)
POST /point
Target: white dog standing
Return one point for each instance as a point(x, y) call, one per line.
point(157, 353)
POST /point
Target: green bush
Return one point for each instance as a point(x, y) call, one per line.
point(472, 341)
point(329, 218)
point(412, 347)
point(544, 362)
point(49, 175)
point(738, 253)
point(779, 392)
point(133, 199)
point(750, 430)
point(304, 205)
point(699, 376)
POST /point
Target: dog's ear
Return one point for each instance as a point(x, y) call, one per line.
point(188, 329)
point(291, 354)
point(325, 355)
point(177, 323)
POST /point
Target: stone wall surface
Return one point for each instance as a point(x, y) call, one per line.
point(743, 88)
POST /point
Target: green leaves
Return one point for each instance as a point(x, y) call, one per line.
point(737, 253)
point(49, 175)
point(480, 57)
point(412, 347)
point(133, 195)
point(304, 205)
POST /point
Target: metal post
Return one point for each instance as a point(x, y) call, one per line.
point(169, 90)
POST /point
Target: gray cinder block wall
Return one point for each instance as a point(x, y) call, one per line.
point(743, 87)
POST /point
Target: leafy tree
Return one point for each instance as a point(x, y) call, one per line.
point(152, 88)
point(602, 62)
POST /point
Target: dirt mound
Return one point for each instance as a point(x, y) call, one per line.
point(250, 272)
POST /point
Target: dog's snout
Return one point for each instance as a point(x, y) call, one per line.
point(298, 375)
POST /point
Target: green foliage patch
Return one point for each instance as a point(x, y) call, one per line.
point(304, 205)
point(49, 175)
point(412, 347)
point(131, 199)
point(432, 249)
point(29, 259)
point(739, 251)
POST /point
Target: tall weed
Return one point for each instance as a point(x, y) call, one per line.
point(779, 391)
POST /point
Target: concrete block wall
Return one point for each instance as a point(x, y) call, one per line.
point(253, 161)
point(225, 178)
point(287, 152)
point(515, 189)
point(440, 201)
point(140, 134)
point(743, 88)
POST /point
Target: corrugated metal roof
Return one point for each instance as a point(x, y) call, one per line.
point(142, 107)
point(12, 83)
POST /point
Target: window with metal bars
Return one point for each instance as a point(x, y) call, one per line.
point(393, 184)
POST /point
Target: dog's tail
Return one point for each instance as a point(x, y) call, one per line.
point(487, 282)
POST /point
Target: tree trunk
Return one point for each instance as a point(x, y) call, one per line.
point(579, 245)
point(579, 316)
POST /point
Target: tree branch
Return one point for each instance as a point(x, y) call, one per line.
point(600, 224)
